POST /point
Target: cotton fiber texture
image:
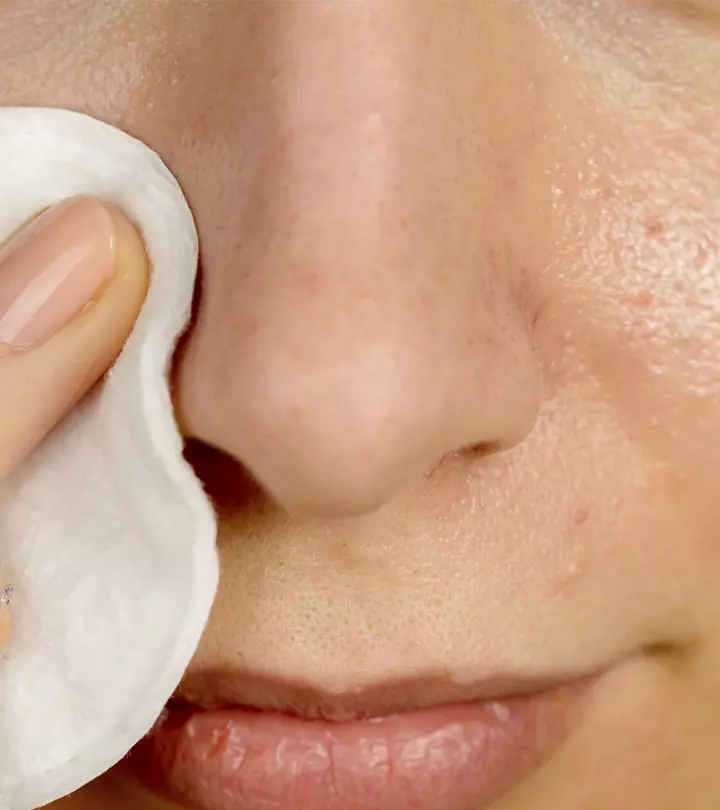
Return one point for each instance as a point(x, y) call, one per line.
point(105, 533)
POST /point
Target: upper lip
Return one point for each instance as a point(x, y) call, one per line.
point(217, 689)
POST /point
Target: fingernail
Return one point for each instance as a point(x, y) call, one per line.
point(52, 269)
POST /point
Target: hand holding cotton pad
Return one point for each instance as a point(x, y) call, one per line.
point(105, 533)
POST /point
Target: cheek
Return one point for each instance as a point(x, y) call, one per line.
point(27, 26)
point(652, 267)
point(642, 244)
point(629, 339)
point(636, 298)
point(103, 64)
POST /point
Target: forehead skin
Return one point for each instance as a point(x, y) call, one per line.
point(540, 177)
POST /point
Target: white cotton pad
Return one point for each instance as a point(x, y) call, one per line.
point(106, 533)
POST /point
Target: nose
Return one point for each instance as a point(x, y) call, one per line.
point(357, 319)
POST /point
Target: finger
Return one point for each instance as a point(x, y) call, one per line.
point(71, 286)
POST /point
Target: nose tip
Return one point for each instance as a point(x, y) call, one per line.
point(333, 471)
point(344, 449)
point(324, 436)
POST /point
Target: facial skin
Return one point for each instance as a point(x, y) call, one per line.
point(457, 344)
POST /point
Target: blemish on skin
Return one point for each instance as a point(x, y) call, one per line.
point(581, 515)
point(653, 227)
point(643, 300)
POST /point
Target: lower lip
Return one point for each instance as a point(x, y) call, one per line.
point(446, 758)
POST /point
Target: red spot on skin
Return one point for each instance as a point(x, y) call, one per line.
point(581, 515)
point(643, 300)
point(570, 575)
point(537, 314)
point(653, 227)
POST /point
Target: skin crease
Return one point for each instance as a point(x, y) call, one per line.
point(428, 227)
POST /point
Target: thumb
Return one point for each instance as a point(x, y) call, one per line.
point(72, 283)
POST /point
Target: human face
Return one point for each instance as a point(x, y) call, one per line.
point(454, 376)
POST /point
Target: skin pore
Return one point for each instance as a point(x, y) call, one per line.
point(457, 346)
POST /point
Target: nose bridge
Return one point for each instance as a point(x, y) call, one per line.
point(341, 213)
point(346, 129)
point(337, 63)
point(338, 350)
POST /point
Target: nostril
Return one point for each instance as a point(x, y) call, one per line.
point(473, 452)
point(228, 483)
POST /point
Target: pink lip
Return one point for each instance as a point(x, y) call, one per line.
point(450, 757)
